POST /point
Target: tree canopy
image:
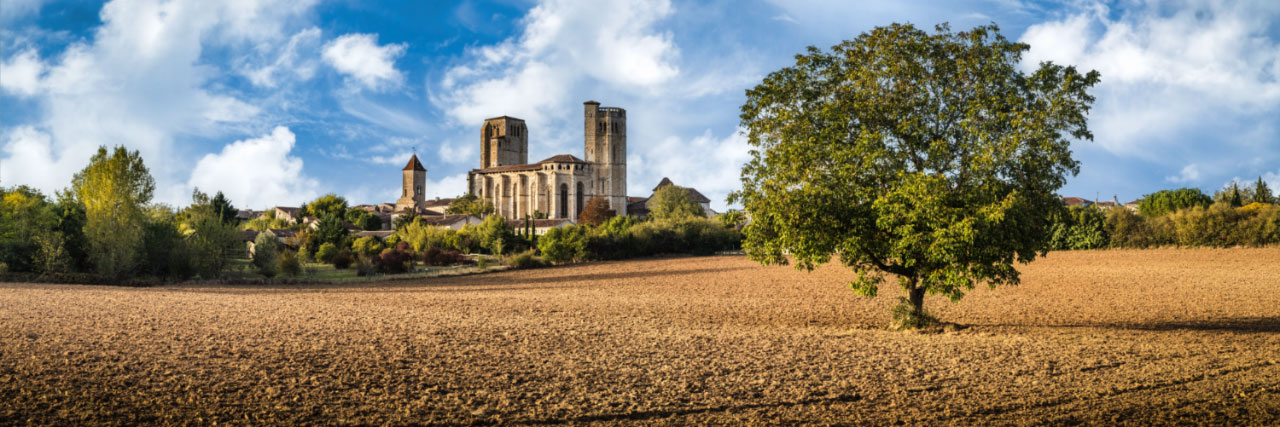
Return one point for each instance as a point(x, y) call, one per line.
point(114, 188)
point(328, 204)
point(596, 212)
point(470, 204)
point(671, 202)
point(1167, 201)
point(930, 157)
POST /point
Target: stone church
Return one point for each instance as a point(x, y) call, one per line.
point(559, 186)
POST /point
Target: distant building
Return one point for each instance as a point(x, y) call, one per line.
point(412, 195)
point(541, 226)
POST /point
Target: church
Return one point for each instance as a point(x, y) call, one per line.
point(561, 185)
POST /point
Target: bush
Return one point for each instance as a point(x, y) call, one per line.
point(1079, 227)
point(289, 264)
point(367, 245)
point(365, 266)
point(326, 252)
point(437, 257)
point(564, 244)
point(265, 254)
point(342, 259)
point(526, 259)
point(395, 260)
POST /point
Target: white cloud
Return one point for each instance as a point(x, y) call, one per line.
point(613, 42)
point(14, 9)
point(458, 153)
point(139, 81)
point(21, 73)
point(23, 146)
point(359, 56)
point(256, 173)
point(1188, 174)
point(709, 164)
point(294, 59)
point(449, 186)
point(1169, 70)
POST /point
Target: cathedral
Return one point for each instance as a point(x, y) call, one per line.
point(561, 185)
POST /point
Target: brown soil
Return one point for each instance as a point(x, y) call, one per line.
point(1098, 337)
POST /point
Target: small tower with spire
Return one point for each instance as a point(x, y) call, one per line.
point(413, 196)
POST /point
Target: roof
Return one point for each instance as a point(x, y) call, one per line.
point(414, 164)
point(693, 193)
point(289, 211)
point(559, 158)
point(504, 117)
point(636, 206)
point(380, 234)
point(1076, 201)
point(438, 202)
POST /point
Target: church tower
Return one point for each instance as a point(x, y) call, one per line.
point(605, 132)
point(503, 141)
point(413, 196)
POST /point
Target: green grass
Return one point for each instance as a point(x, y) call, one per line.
point(242, 271)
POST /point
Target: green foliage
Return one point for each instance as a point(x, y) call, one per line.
point(364, 219)
point(329, 229)
point(69, 220)
point(1164, 202)
point(342, 259)
point(565, 244)
point(114, 188)
point(25, 219)
point(165, 252)
point(470, 204)
point(328, 204)
point(223, 209)
point(367, 246)
point(496, 235)
point(1262, 193)
point(670, 203)
point(268, 220)
point(927, 156)
point(266, 254)
point(732, 219)
point(1079, 227)
point(421, 236)
point(212, 241)
point(526, 259)
point(290, 265)
point(326, 252)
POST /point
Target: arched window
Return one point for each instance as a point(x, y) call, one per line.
point(579, 199)
point(564, 200)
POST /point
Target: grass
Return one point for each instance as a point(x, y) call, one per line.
point(243, 271)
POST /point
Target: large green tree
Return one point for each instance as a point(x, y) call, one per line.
point(114, 189)
point(671, 202)
point(1262, 193)
point(928, 157)
point(1168, 201)
point(470, 204)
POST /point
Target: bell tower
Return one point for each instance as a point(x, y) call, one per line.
point(605, 134)
point(413, 195)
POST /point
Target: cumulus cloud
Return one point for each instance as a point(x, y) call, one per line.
point(1188, 174)
point(613, 42)
point(25, 145)
point(712, 165)
point(360, 57)
point(449, 186)
point(257, 173)
point(138, 81)
point(1207, 67)
point(22, 73)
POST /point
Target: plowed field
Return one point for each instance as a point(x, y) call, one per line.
point(1095, 337)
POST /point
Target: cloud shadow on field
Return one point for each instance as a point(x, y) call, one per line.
point(1269, 325)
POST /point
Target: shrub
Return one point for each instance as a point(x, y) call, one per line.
point(1164, 202)
point(437, 257)
point(596, 212)
point(1079, 227)
point(289, 264)
point(365, 266)
point(326, 252)
point(395, 260)
point(564, 244)
point(342, 259)
point(367, 245)
point(1128, 229)
point(265, 254)
point(526, 259)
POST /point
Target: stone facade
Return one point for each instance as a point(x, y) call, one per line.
point(560, 185)
point(413, 197)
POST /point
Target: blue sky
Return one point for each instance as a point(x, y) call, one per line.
point(277, 101)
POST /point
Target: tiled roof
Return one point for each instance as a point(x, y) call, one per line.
point(563, 158)
point(381, 234)
point(445, 219)
point(414, 164)
point(1076, 201)
point(438, 202)
point(559, 158)
point(541, 223)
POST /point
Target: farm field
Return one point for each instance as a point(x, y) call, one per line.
point(1166, 336)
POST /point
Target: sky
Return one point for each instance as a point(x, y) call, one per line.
point(276, 102)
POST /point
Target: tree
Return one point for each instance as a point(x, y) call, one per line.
point(211, 239)
point(596, 212)
point(266, 251)
point(1165, 202)
point(1262, 193)
point(25, 218)
point(364, 219)
point(223, 209)
point(328, 204)
point(930, 157)
point(469, 204)
point(671, 202)
point(114, 188)
point(329, 229)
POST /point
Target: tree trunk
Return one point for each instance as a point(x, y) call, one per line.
point(917, 296)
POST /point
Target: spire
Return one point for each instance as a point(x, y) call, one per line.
point(414, 164)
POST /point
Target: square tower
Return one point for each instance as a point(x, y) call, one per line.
point(605, 135)
point(503, 141)
point(413, 196)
